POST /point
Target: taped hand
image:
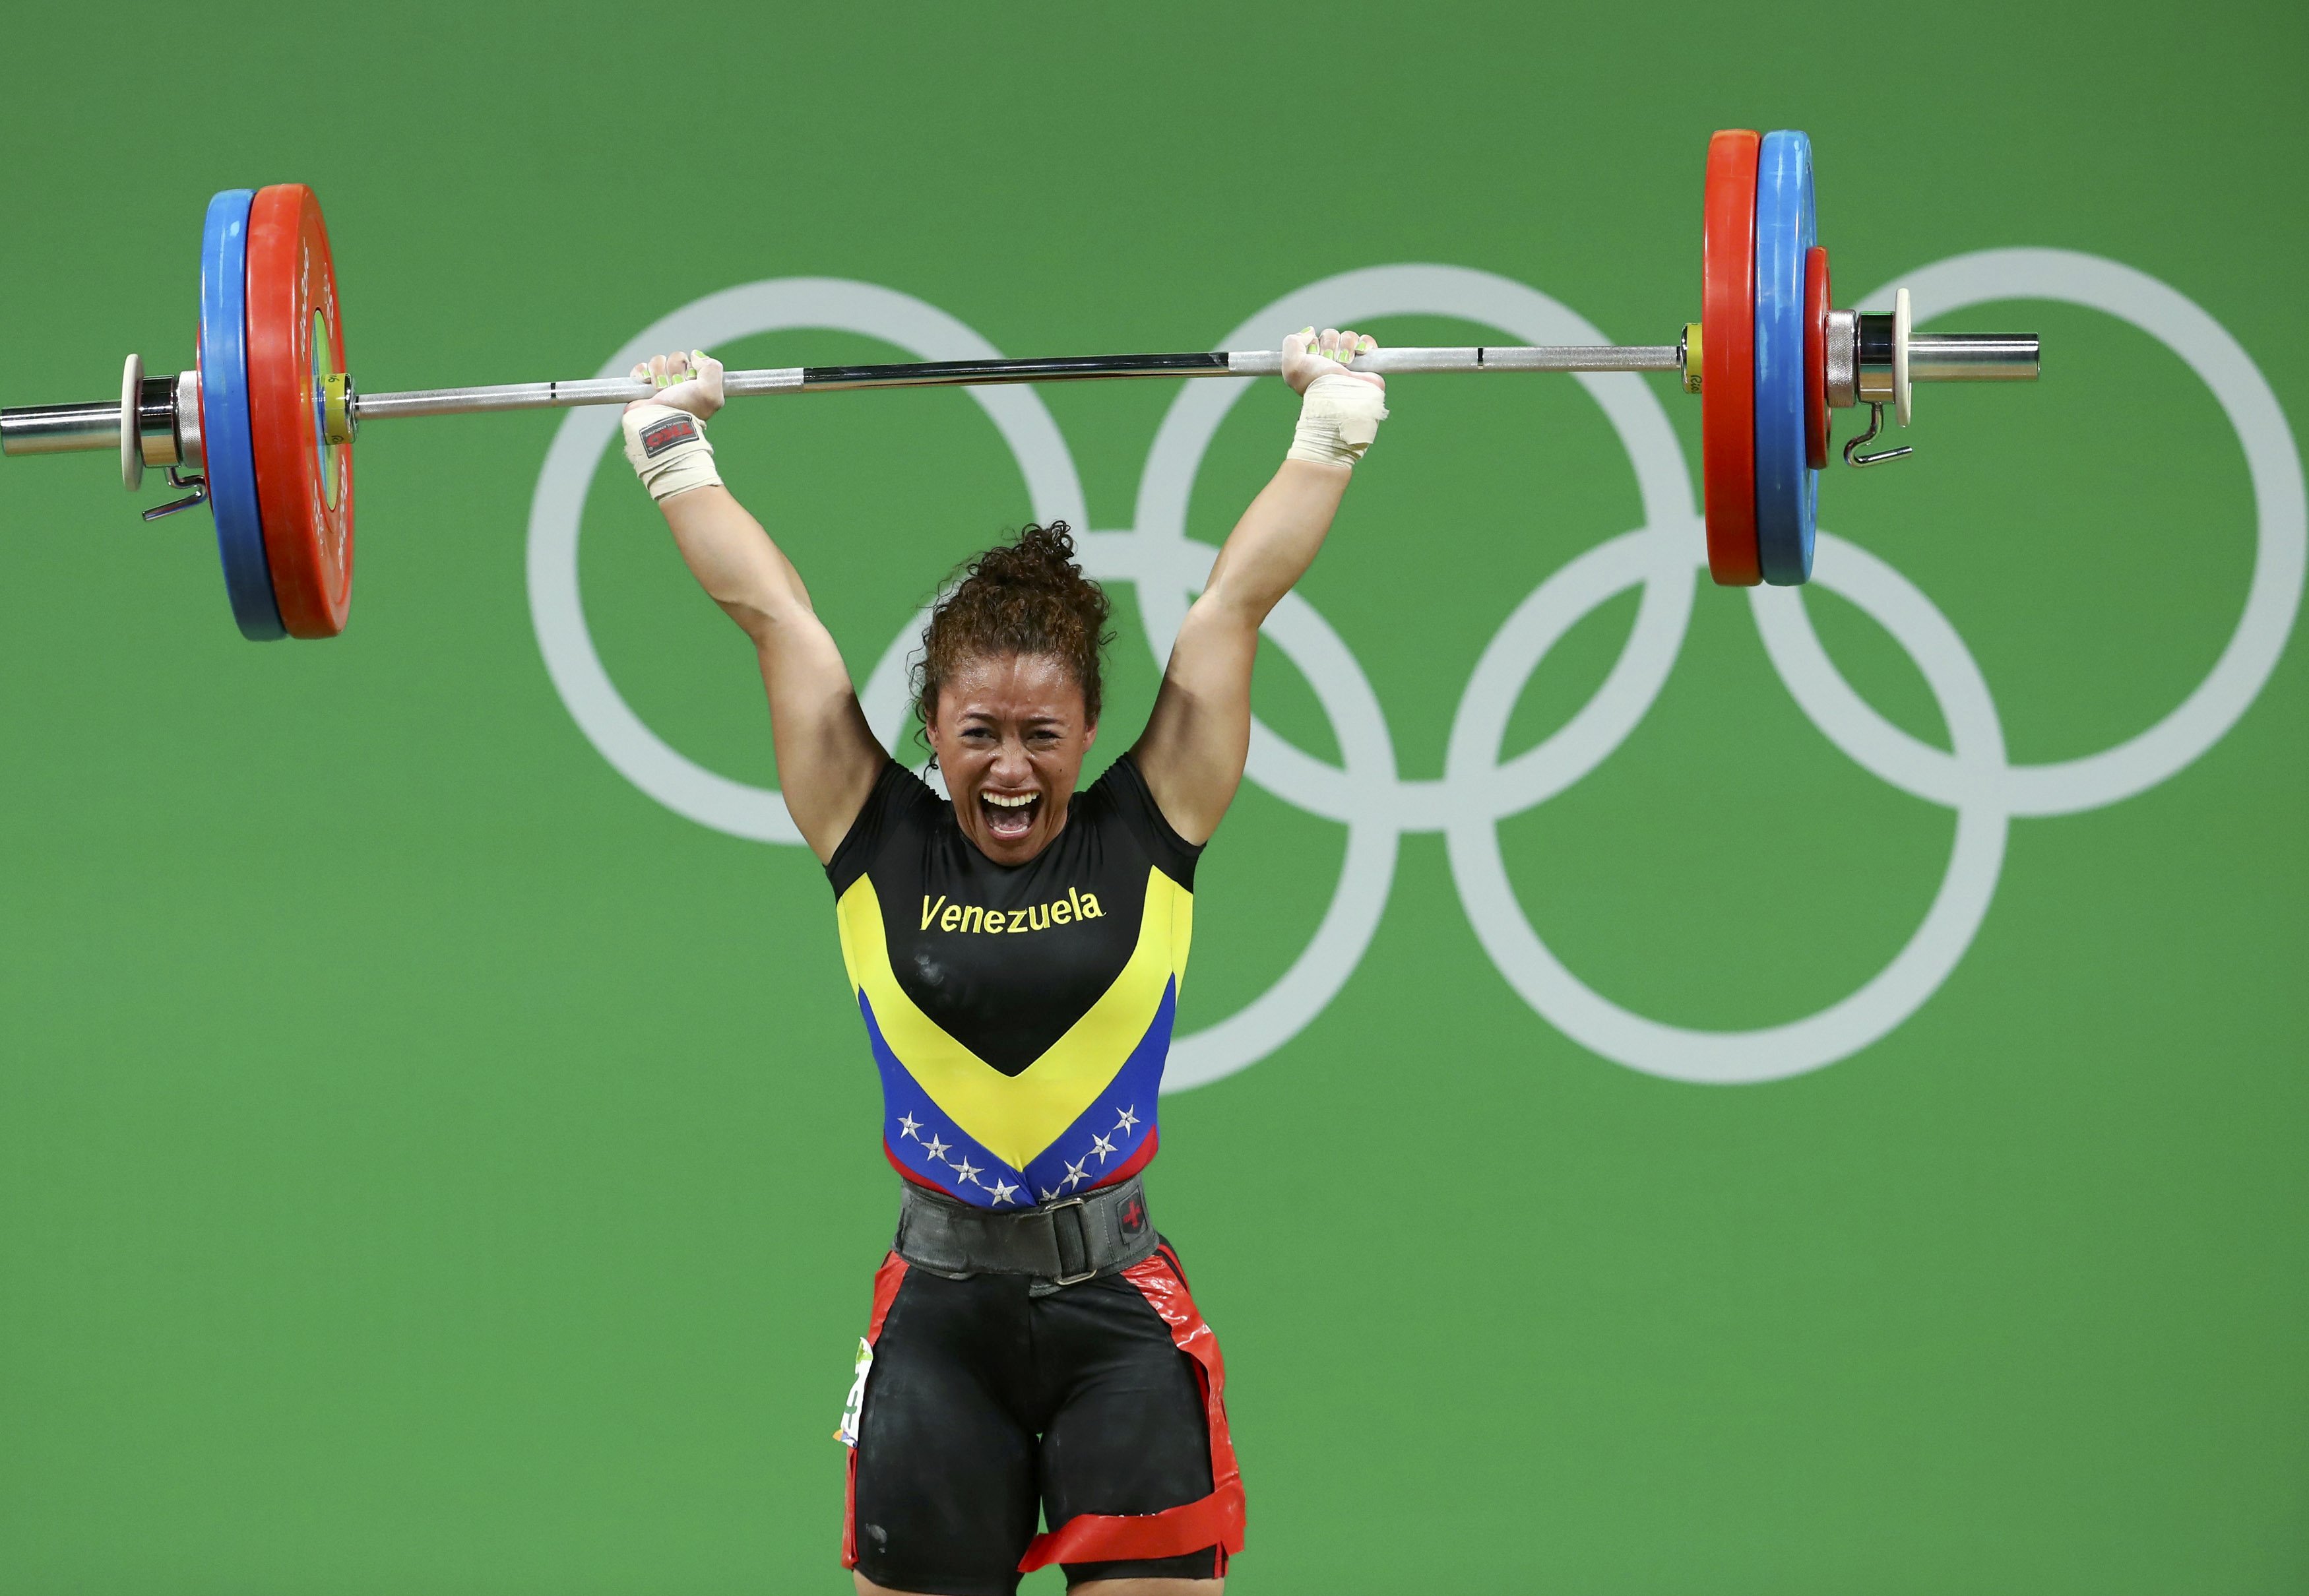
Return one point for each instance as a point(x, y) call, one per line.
point(1341, 409)
point(1308, 355)
point(690, 382)
point(665, 435)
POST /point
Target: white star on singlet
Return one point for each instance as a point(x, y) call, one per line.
point(1128, 1120)
point(1047, 1195)
point(908, 1125)
point(1102, 1148)
point(935, 1147)
point(1001, 1190)
point(966, 1170)
point(1076, 1174)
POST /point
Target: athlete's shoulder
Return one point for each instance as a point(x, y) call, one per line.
point(901, 804)
point(1121, 797)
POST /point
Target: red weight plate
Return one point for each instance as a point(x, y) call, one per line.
point(296, 337)
point(1727, 382)
point(1816, 358)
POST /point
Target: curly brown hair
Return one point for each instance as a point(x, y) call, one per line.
point(1025, 597)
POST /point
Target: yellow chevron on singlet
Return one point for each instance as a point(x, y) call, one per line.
point(1016, 1116)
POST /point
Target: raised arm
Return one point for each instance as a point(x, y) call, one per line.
point(827, 757)
point(1198, 736)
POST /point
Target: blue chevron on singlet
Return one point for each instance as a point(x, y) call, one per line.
point(1019, 1014)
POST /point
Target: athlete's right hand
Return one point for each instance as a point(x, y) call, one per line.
point(690, 382)
point(665, 434)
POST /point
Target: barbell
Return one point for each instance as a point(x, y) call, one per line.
point(262, 428)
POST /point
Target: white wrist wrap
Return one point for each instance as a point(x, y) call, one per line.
point(1337, 421)
point(669, 450)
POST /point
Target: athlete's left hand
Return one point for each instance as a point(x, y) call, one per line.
point(1308, 355)
point(690, 382)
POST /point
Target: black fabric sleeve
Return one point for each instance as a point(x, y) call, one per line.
point(1127, 790)
point(895, 804)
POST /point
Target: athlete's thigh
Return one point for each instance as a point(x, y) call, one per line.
point(945, 1499)
point(1129, 1436)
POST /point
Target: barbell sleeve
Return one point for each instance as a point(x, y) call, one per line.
point(59, 429)
point(1973, 357)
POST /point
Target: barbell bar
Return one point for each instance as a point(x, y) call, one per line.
point(64, 429)
point(262, 427)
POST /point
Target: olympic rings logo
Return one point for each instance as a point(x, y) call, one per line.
point(1664, 557)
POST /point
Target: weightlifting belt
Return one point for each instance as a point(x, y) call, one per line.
point(1066, 1242)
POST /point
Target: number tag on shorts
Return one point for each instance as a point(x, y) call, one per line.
point(846, 1432)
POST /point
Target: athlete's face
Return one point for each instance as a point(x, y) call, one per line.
point(1010, 736)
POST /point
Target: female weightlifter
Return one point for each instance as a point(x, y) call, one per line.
point(1015, 952)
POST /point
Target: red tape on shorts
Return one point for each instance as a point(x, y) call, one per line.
point(1214, 1520)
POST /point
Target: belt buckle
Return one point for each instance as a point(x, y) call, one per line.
point(1083, 1226)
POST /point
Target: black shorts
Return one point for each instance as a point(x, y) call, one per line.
point(1099, 1406)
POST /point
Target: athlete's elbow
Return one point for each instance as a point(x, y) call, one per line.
point(762, 611)
point(757, 616)
point(1237, 601)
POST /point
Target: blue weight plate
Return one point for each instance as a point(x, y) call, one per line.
point(1787, 489)
point(231, 462)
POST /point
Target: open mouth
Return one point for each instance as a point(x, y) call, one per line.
point(1009, 815)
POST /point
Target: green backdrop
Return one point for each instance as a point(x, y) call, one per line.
point(429, 1163)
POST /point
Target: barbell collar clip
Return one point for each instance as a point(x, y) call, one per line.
point(199, 495)
point(1852, 456)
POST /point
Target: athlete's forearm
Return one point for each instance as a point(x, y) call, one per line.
point(731, 557)
point(1276, 540)
point(1191, 754)
point(828, 759)
point(737, 563)
point(1283, 530)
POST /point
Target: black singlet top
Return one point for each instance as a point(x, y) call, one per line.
point(1020, 1015)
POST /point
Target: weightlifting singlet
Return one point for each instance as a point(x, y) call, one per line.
point(1019, 1015)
